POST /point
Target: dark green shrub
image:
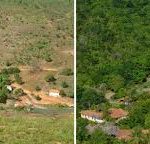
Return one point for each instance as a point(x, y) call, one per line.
point(50, 78)
point(8, 63)
point(18, 93)
point(67, 72)
point(3, 95)
point(64, 85)
point(11, 70)
point(38, 98)
point(37, 88)
point(47, 58)
point(18, 79)
point(62, 93)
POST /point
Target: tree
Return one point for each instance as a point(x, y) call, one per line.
point(91, 97)
point(115, 82)
point(81, 131)
point(3, 95)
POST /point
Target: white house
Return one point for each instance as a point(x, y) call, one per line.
point(54, 93)
point(92, 116)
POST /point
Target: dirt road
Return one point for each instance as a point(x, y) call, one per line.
point(45, 99)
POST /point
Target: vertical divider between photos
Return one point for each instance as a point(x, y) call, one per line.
point(75, 71)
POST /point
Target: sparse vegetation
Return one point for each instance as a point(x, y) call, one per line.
point(11, 70)
point(18, 79)
point(38, 129)
point(64, 84)
point(38, 97)
point(18, 93)
point(62, 93)
point(32, 45)
point(50, 78)
point(38, 88)
point(67, 72)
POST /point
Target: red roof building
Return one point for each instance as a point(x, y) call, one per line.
point(92, 115)
point(124, 134)
point(117, 113)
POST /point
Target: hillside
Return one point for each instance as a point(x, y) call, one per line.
point(37, 38)
point(112, 65)
point(36, 71)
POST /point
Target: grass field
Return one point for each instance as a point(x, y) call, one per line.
point(25, 128)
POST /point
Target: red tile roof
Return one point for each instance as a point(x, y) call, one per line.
point(124, 134)
point(117, 113)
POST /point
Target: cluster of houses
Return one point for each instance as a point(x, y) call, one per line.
point(115, 113)
point(92, 116)
point(110, 129)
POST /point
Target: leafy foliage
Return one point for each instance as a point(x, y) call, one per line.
point(4, 80)
point(113, 50)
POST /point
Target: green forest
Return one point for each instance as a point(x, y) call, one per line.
point(113, 53)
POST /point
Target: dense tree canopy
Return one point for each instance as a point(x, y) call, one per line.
point(113, 49)
point(113, 41)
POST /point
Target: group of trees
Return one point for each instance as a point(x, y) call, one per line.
point(112, 49)
point(113, 42)
point(88, 97)
point(5, 81)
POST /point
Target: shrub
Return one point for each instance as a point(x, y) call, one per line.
point(37, 88)
point(50, 78)
point(3, 95)
point(38, 98)
point(62, 93)
point(67, 72)
point(11, 70)
point(8, 63)
point(4, 80)
point(18, 93)
point(64, 84)
point(47, 57)
point(18, 79)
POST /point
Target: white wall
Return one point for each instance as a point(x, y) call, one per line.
point(92, 119)
point(54, 94)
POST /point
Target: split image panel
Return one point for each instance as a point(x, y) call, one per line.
point(36, 72)
point(113, 67)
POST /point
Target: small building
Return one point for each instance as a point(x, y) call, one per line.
point(117, 113)
point(9, 88)
point(54, 93)
point(92, 116)
point(124, 134)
